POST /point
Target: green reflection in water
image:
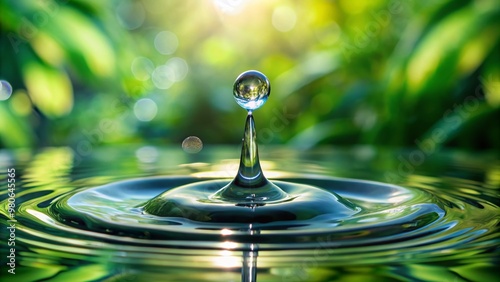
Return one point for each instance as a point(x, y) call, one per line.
point(467, 184)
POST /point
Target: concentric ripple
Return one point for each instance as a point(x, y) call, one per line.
point(440, 223)
point(381, 216)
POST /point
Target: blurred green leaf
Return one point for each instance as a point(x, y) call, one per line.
point(49, 89)
point(14, 132)
point(313, 67)
point(455, 47)
point(341, 72)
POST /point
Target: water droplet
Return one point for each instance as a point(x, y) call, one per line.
point(5, 90)
point(251, 90)
point(192, 145)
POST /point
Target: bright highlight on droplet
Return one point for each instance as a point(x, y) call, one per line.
point(5, 90)
point(192, 145)
point(145, 109)
point(284, 18)
point(166, 42)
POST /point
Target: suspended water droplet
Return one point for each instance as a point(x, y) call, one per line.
point(251, 90)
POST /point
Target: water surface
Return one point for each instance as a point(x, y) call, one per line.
point(436, 221)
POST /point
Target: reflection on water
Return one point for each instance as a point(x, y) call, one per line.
point(446, 211)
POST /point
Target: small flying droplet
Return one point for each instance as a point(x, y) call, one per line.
point(192, 145)
point(5, 90)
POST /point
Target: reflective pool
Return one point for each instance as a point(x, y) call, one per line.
point(437, 221)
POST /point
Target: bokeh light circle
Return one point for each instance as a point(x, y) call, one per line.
point(166, 42)
point(142, 68)
point(284, 18)
point(145, 109)
point(131, 15)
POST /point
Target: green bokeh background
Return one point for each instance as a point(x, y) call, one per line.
point(382, 72)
